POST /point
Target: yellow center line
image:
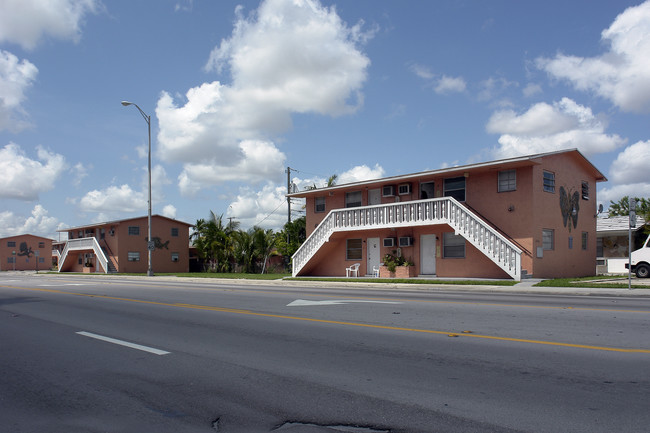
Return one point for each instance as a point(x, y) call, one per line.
point(338, 322)
point(318, 295)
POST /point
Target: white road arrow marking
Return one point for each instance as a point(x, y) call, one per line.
point(303, 303)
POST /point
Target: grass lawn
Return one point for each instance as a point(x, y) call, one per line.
point(590, 282)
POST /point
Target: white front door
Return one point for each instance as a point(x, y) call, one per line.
point(374, 196)
point(428, 254)
point(373, 257)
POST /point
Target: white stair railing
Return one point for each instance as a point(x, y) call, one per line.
point(84, 244)
point(445, 210)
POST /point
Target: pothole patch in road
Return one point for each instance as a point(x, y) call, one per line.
point(334, 428)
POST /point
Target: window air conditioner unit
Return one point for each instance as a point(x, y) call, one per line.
point(405, 241)
point(404, 189)
point(388, 191)
point(389, 242)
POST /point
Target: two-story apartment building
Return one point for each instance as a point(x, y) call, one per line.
point(25, 253)
point(121, 246)
point(532, 215)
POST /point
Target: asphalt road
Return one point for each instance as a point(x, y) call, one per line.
point(259, 357)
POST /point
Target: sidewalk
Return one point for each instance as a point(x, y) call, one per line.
point(526, 286)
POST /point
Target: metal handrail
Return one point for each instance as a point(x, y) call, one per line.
point(444, 210)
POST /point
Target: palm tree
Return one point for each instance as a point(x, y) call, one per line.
point(264, 241)
point(213, 242)
point(244, 249)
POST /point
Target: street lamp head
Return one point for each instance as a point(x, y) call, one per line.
point(127, 103)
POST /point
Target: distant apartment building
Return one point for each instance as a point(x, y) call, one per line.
point(25, 253)
point(121, 246)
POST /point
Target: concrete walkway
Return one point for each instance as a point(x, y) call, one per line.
point(526, 286)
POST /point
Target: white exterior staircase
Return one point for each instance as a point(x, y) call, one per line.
point(445, 210)
point(84, 244)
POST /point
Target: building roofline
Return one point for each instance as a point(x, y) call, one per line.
point(122, 221)
point(405, 177)
point(27, 234)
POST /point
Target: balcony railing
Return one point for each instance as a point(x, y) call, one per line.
point(444, 210)
point(84, 244)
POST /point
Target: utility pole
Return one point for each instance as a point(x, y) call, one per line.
point(632, 212)
point(288, 171)
point(288, 201)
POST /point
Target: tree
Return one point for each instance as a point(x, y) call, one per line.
point(213, 242)
point(244, 249)
point(622, 207)
point(296, 233)
point(264, 242)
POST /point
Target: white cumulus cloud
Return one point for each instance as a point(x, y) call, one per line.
point(360, 173)
point(628, 174)
point(448, 84)
point(114, 199)
point(24, 178)
point(546, 128)
point(260, 161)
point(39, 223)
point(16, 76)
point(632, 165)
point(622, 74)
point(285, 57)
point(266, 208)
point(26, 22)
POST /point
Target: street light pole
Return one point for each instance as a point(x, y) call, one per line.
point(149, 240)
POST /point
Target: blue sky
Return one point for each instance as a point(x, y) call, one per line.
point(239, 90)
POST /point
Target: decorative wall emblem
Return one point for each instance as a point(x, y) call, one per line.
point(158, 243)
point(25, 250)
point(569, 205)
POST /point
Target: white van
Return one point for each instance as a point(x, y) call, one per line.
point(641, 260)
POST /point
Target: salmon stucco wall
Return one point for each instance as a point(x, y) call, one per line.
point(25, 253)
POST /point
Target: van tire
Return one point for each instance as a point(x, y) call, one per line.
point(642, 271)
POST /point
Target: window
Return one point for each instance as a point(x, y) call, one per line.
point(41, 244)
point(549, 181)
point(585, 190)
point(134, 230)
point(11, 244)
point(133, 256)
point(11, 260)
point(570, 242)
point(453, 246)
point(585, 236)
point(547, 239)
point(404, 189)
point(599, 247)
point(507, 180)
point(175, 232)
point(388, 191)
point(353, 249)
point(353, 199)
point(41, 259)
point(174, 257)
point(455, 187)
point(319, 204)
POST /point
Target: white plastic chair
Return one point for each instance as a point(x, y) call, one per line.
point(375, 271)
point(354, 269)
